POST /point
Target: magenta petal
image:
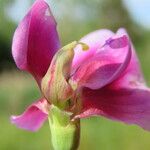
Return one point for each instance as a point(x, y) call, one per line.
point(119, 43)
point(133, 76)
point(36, 40)
point(126, 99)
point(131, 106)
point(34, 116)
point(106, 65)
point(94, 40)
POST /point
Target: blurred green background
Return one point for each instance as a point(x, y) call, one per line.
point(75, 19)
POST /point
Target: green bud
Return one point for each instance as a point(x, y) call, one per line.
point(55, 86)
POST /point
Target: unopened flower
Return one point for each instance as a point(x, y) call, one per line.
point(99, 75)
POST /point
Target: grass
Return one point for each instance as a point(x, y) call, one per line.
point(18, 90)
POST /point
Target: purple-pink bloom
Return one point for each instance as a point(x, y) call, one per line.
point(108, 75)
point(36, 40)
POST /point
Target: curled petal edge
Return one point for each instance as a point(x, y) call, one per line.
point(33, 117)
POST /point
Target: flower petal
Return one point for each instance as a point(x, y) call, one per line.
point(36, 40)
point(34, 116)
point(94, 40)
point(126, 99)
point(133, 75)
point(106, 65)
point(131, 106)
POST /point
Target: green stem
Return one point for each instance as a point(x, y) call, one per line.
point(65, 134)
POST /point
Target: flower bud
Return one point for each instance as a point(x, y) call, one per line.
point(55, 86)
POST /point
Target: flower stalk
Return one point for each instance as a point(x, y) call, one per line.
point(65, 133)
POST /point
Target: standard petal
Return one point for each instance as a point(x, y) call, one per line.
point(34, 116)
point(131, 106)
point(108, 63)
point(36, 40)
point(94, 40)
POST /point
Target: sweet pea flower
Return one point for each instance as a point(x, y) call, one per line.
point(105, 80)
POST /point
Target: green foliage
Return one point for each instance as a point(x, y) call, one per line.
point(82, 17)
point(7, 28)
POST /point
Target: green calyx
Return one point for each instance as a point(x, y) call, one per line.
point(65, 134)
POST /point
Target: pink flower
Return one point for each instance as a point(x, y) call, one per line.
point(107, 77)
